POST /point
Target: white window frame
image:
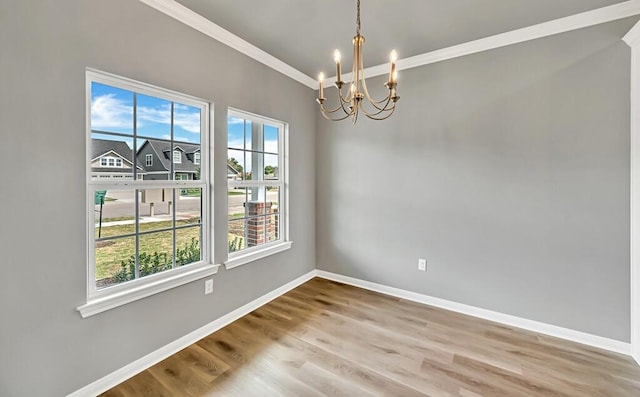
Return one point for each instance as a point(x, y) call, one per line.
point(148, 160)
point(249, 255)
point(177, 160)
point(100, 300)
point(196, 158)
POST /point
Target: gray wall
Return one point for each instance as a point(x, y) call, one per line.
point(508, 170)
point(46, 348)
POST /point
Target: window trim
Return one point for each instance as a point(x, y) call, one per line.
point(104, 299)
point(284, 243)
point(196, 158)
point(179, 153)
point(148, 157)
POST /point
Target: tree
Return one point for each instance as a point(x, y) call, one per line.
point(269, 170)
point(234, 163)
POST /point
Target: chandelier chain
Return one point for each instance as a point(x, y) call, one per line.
point(358, 19)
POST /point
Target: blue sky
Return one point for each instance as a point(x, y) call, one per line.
point(112, 110)
point(237, 128)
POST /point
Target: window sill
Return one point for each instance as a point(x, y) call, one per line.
point(137, 292)
point(248, 257)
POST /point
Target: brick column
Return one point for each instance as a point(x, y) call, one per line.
point(256, 226)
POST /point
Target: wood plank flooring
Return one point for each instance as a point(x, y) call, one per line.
point(329, 339)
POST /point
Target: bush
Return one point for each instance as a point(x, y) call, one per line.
point(235, 244)
point(157, 262)
point(189, 254)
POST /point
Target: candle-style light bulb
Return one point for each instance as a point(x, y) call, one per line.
point(321, 89)
point(393, 57)
point(337, 57)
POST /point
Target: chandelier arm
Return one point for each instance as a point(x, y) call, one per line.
point(343, 99)
point(386, 116)
point(373, 102)
point(341, 106)
point(381, 110)
point(326, 115)
point(326, 112)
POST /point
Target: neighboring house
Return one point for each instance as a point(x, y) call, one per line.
point(156, 157)
point(111, 159)
point(233, 174)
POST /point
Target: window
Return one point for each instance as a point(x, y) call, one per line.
point(196, 158)
point(177, 157)
point(144, 236)
point(257, 199)
point(111, 162)
point(149, 160)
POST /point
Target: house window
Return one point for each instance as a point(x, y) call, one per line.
point(111, 162)
point(257, 199)
point(196, 158)
point(149, 160)
point(177, 157)
point(144, 236)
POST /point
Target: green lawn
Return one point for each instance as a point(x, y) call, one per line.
point(117, 218)
point(111, 253)
point(190, 192)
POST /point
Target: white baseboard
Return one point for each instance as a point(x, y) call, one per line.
point(120, 375)
point(506, 319)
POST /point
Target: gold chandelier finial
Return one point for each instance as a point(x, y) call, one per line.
point(353, 102)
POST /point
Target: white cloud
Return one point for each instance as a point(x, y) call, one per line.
point(189, 121)
point(110, 112)
point(236, 143)
point(234, 120)
point(271, 146)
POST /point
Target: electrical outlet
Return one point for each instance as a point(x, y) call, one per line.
point(422, 264)
point(208, 287)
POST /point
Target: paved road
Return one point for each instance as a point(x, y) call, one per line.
point(123, 206)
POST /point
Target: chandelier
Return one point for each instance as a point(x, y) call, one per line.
point(351, 104)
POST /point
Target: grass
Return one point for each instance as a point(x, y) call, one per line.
point(115, 219)
point(190, 192)
point(111, 253)
point(235, 193)
point(237, 215)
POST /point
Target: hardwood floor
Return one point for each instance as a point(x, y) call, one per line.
point(329, 339)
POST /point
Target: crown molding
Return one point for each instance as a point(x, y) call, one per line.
point(545, 29)
point(190, 18)
point(632, 36)
point(557, 26)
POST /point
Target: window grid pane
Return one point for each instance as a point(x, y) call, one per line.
point(256, 213)
point(147, 236)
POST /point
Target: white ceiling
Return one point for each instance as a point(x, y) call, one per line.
point(304, 34)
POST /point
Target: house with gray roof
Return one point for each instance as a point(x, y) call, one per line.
point(111, 159)
point(157, 156)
